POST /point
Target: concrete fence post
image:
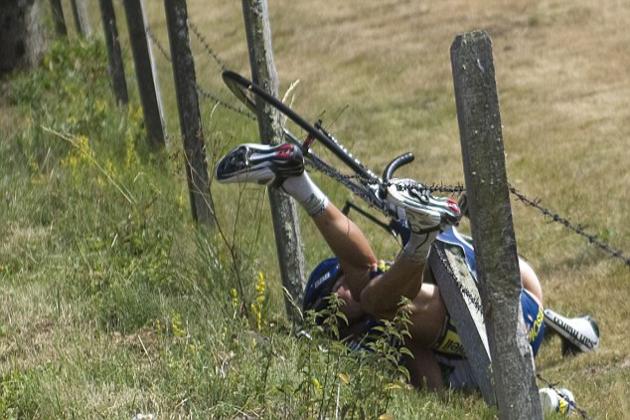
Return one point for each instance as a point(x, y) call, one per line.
point(146, 73)
point(492, 228)
point(79, 10)
point(284, 213)
point(57, 15)
point(116, 67)
point(189, 115)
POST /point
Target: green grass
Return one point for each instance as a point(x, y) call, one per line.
point(114, 303)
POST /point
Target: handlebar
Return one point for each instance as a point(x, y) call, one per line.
point(391, 167)
point(395, 164)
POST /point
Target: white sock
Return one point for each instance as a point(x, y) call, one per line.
point(417, 248)
point(304, 190)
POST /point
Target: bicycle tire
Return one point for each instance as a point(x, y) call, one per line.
point(247, 92)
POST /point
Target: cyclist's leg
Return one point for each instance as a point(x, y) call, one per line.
point(382, 295)
point(349, 244)
point(378, 295)
point(283, 166)
point(356, 256)
point(529, 280)
point(428, 313)
point(425, 215)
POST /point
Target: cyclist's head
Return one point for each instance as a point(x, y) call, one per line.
point(325, 279)
point(320, 284)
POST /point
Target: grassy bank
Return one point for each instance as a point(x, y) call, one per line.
point(113, 303)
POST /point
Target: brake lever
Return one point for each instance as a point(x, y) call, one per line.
point(308, 142)
point(310, 139)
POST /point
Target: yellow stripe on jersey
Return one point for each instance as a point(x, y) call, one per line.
point(533, 331)
point(449, 342)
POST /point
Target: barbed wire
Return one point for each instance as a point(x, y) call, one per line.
point(206, 46)
point(535, 203)
point(202, 92)
point(555, 217)
point(572, 403)
point(579, 230)
point(158, 44)
point(445, 188)
point(209, 95)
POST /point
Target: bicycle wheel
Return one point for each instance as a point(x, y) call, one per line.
point(248, 93)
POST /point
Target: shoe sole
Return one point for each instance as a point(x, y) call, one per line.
point(565, 330)
point(418, 214)
point(248, 163)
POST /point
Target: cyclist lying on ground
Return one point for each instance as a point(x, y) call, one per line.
point(369, 292)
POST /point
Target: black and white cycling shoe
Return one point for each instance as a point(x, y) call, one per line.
point(581, 332)
point(424, 213)
point(261, 163)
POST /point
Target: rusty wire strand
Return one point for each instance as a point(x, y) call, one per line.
point(203, 92)
point(578, 229)
point(157, 43)
point(209, 95)
point(360, 188)
point(206, 46)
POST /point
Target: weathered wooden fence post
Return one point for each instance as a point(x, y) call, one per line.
point(57, 15)
point(81, 19)
point(189, 115)
point(116, 68)
point(146, 73)
point(285, 218)
point(492, 228)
